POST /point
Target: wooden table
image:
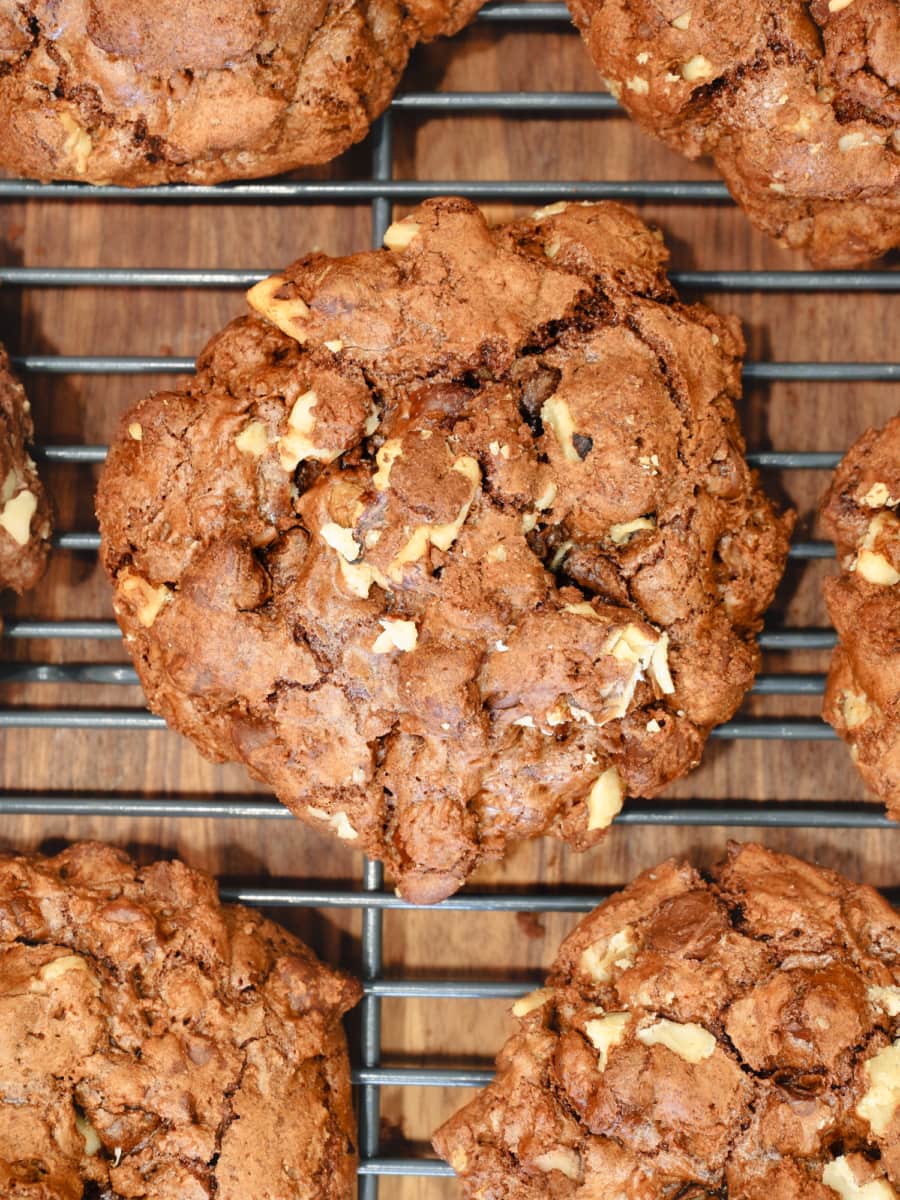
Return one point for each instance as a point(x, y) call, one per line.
point(782, 326)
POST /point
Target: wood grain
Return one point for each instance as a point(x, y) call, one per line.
point(95, 321)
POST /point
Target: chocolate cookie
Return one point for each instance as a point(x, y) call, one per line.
point(140, 92)
point(798, 103)
point(455, 542)
point(862, 697)
point(157, 1043)
point(703, 1038)
point(25, 518)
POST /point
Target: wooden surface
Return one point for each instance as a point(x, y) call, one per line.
point(95, 321)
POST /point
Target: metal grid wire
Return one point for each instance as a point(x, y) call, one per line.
point(383, 191)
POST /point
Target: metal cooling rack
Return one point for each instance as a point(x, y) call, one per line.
point(383, 190)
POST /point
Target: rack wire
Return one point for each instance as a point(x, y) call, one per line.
point(382, 191)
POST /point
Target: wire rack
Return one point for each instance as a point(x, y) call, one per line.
point(382, 190)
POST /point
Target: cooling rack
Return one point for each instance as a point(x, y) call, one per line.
point(382, 190)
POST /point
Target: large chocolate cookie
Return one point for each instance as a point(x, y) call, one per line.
point(732, 1037)
point(25, 518)
point(158, 1044)
point(862, 699)
point(798, 103)
point(142, 92)
point(455, 543)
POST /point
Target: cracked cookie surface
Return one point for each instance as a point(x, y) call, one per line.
point(158, 1043)
point(25, 516)
point(862, 696)
point(732, 1036)
point(457, 544)
point(798, 104)
point(135, 93)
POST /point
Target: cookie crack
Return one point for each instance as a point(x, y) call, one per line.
point(229, 1116)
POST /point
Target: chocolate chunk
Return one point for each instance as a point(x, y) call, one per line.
point(583, 445)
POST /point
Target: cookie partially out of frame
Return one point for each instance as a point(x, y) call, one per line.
point(156, 1043)
point(698, 1038)
point(137, 92)
point(862, 697)
point(25, 517)
point(452, 543)
point(797, 102)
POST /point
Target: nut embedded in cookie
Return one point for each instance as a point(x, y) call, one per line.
point(742, 1039)
point(798, 104)
point(25, 513)
point(862, 696)
point(452, 543)
point(158, 1043)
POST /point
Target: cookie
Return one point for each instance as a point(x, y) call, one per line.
point(197, 91)
point(451, 543)
point(703, 1037)
point(862, 696)
point(798, 104)
point(25, 515)
point(158, 1043)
